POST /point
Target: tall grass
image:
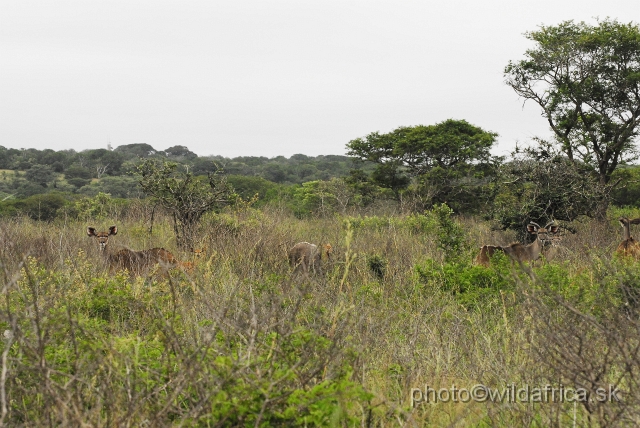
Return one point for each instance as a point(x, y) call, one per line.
point(241, 341)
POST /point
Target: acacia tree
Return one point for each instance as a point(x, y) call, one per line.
point(586, 79)
point(443, 160)
point(184, 195)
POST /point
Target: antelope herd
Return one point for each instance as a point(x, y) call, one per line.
point(307, 258)
point(303, 256)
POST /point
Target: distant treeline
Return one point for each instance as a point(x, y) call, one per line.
point(45, 184)
point(28, 172)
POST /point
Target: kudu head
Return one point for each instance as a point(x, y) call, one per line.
point(543, 234)
point(328, 250)
point(102, 237)
point(626, 226)
point(544, 238)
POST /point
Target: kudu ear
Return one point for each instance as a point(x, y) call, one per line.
point(623, 221)
point(635, 221)
point(532, 228)
point(91, 231)
point(113, 230)
point(554, 229)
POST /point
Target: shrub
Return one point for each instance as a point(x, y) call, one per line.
point(38, 207)
point(472, 286)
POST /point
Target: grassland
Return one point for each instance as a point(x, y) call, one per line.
point(241, 341)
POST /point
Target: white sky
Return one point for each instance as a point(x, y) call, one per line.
point(266, 78)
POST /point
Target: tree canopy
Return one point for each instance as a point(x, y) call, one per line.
point(436, 157)
point(586, 79)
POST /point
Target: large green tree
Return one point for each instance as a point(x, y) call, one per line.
point(443, 160)
point(586, 79)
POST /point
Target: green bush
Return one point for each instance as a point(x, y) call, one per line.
point(43, 207)
point(472, 286)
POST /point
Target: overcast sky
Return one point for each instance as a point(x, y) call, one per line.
point(266, 78)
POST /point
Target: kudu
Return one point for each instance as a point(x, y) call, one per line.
point(519, 252)
point(306, 257)
point(196, 255)
point(629, 246)
point(135, 262)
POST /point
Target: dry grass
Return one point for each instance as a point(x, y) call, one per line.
point(394, 332)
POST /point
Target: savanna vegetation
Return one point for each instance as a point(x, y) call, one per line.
point(233, 335)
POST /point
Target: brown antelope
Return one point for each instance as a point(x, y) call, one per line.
point(629, 246)
point(519, 252)
point(135, 262)
point(197, 254)
point(305, 256)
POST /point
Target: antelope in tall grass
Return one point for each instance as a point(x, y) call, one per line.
point(196, 254)
point(306, 257)
point(519, 252)
point(629, 246)
point(135, 262)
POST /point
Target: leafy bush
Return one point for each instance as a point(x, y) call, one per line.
point(248, 187)
point(38, 207)
point(78, 182)
point(474, 287)
point(118, 187)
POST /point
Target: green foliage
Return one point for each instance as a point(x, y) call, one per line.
point(180, 153)
point(474, 287)
point(40, 174)
point(447, 161)
point(26, 189)
point(138, 150)
point(99, 207)
point(78, 182)
point(239, 341)
point(78, 172)
point(451, 237)
point(185, 196)
point(324, 197)
point(363, 186)
point(248, 187)
point(101, 161)
point(38, 207)
point(628, 191)
point(586, 79)
point(540, 184)
point(119, 343)
point(118, 187)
